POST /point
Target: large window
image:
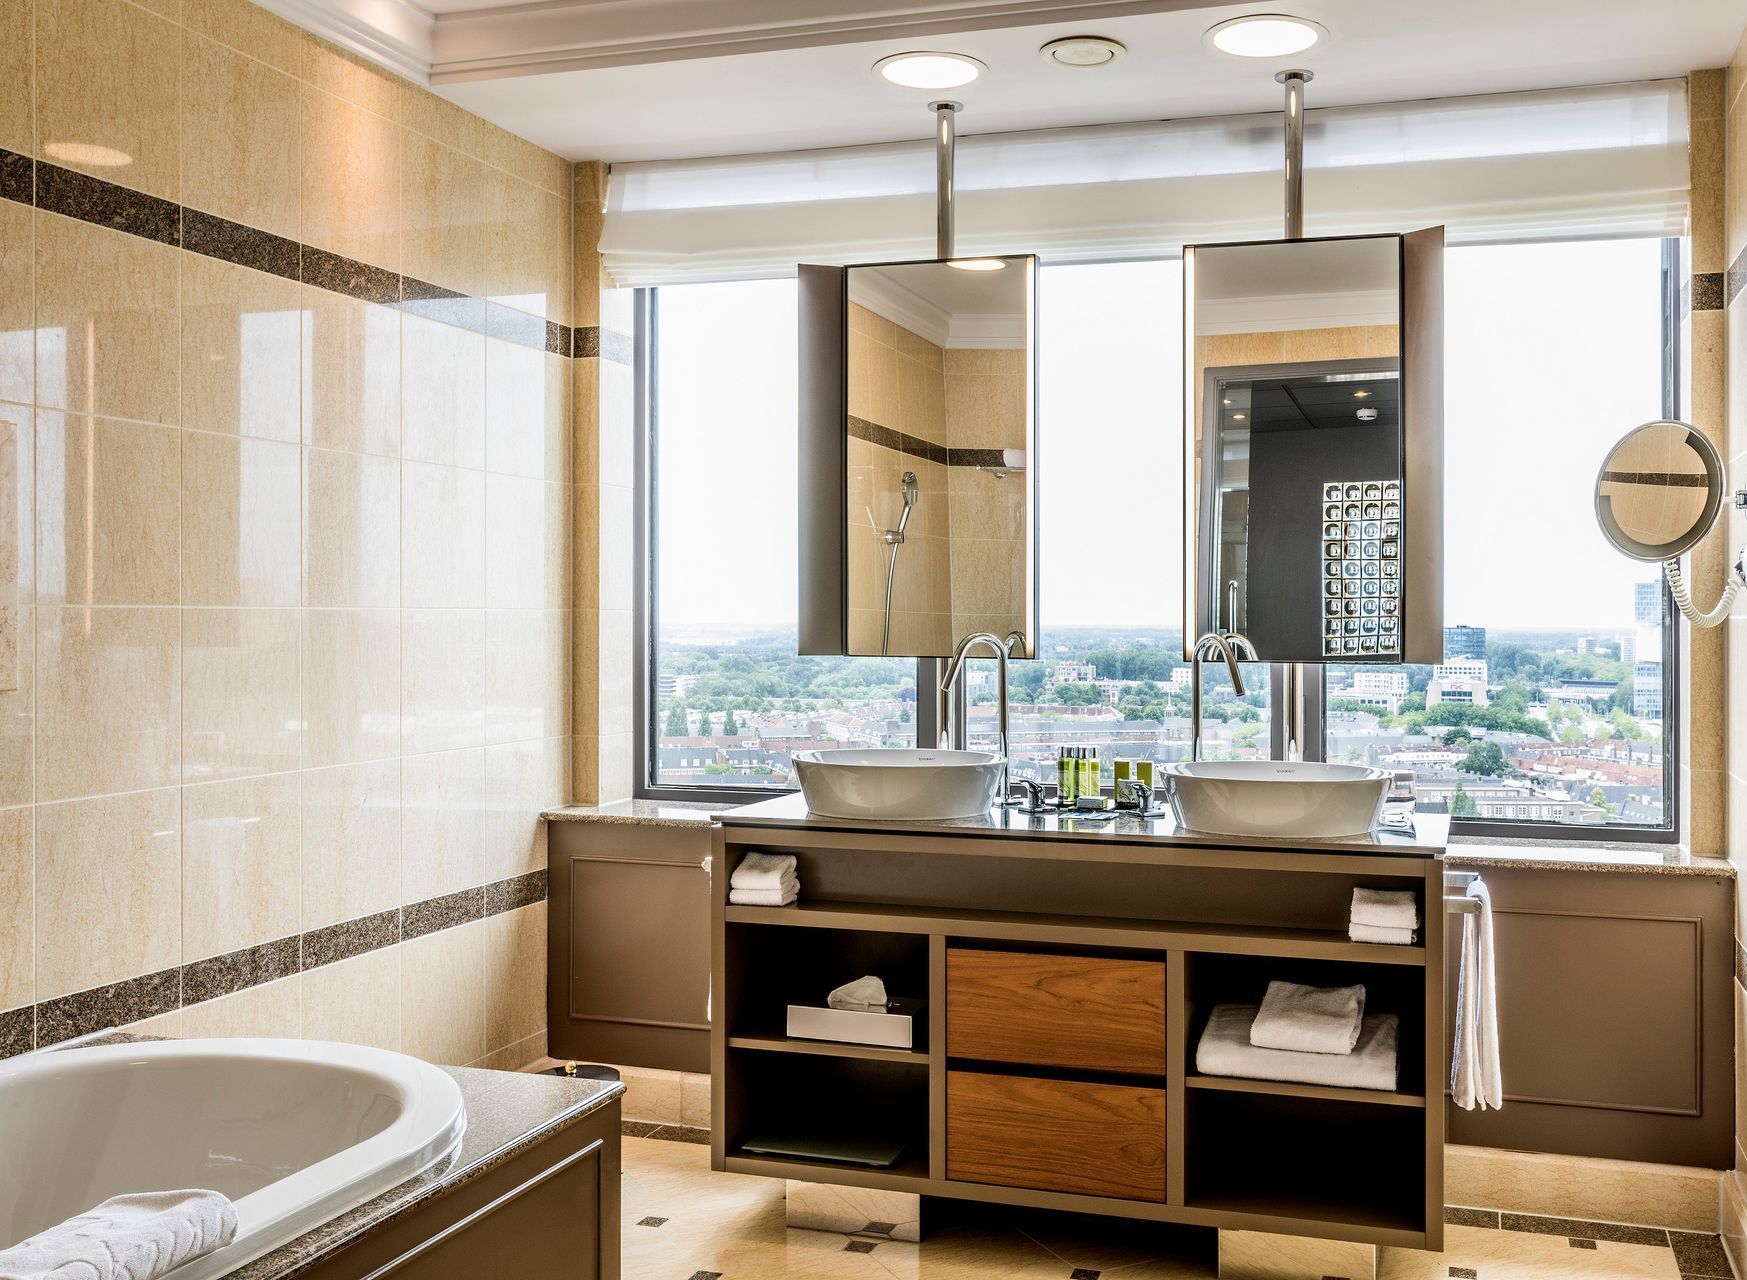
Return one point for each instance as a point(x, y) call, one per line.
point(1551, 706)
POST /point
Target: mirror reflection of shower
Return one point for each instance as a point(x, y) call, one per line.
point(894, 538)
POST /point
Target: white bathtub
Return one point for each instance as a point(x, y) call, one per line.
point(293, 1131)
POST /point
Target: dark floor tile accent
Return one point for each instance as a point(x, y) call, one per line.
point(17, 1031)
point(637, 1129)
point(1699, 1253)
point(560, 339)
point(358, 280)
point(1084, 1273)
point(444, 306)
point(506, 324)
point(1614, 1232)
point(1577, 1243)
point(236, 970)
point(586, 341)
point(103, 204)
point(227, 241)
point(879, 1228)
point(445, 912)
point(860, 1246)
point(1706, 291)
point(705, 1275)
point(1464, 1273)
point(350, 938)
point(518, 891)
point(1459, 1217)
point(620, 348)
point(652, 1222)
point(17, 177)
point(113, 1006)
point(682, 1133)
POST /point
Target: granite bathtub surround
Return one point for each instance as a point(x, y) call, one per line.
point(289, 354)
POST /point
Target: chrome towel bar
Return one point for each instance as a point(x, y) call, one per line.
point(1459, 901)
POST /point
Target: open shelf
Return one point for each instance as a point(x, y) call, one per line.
point(776, 1042)
point(1284, 1089)
point(1116, 931)
point(900, 1177)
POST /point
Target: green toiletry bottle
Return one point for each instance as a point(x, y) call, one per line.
point(1066, 777)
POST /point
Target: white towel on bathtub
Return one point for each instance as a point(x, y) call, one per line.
point(131, 1237)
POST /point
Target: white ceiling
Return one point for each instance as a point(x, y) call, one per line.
point(683, 104)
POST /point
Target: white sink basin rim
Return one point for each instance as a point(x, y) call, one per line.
point(899, 784)
point(1277, 798)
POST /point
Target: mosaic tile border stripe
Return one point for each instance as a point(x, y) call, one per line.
point(1698, 1255)
point(107, 204)
point(149, 995)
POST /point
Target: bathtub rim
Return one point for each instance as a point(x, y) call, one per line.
point(429, 1129)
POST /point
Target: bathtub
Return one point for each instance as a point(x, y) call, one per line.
point(293, 1131)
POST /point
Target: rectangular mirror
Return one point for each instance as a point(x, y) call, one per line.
point(919, 423)
point(1313, 447)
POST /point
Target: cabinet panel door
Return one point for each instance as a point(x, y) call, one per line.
point(640, 942)
point(1056, 1135)
point(1093, 1013)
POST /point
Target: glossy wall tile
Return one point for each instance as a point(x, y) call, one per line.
point(287, 365)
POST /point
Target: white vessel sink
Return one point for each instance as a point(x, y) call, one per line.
point(1282, 798)
point(900, 784)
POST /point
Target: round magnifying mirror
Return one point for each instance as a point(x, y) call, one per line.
point(1659, 491)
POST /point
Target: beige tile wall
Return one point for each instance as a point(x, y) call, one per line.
point(985, 409)
point(294, 592)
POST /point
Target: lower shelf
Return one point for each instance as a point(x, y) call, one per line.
point(1284, 1089)
point(903, 1176)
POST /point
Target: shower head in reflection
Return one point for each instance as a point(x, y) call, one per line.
point(894, 538)
point(908, 488)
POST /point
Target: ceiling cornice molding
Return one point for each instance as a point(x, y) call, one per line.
point(579, 35)
point(396, 34)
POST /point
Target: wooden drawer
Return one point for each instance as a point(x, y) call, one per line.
point(1056, 1135)
point(1088, 1012)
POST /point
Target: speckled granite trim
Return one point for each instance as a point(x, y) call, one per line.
point(1704, 291)
point(1614, 1232)
point(1740, 963)
point(108, 204)
point(435, 914)
point(518, 891)
point(897, 441)
point(337, 942)
point(17, 1031)
point(115, 1005)
point(643, 813)
point(236, 970)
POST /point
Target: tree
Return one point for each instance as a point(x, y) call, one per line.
point(1462, 804)
point(1458, 737)
point(675, 726)
point(703, 724)
point(1598, 798)
point(730, 726)
point(1486, 759)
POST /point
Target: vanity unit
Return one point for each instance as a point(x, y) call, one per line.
point(1069, 969)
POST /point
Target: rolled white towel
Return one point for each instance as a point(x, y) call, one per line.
point(1309, 1019)
point(781, 896)
point(1372, 933)
point(131, 1237)
point(763, 871)
point(1385, 908)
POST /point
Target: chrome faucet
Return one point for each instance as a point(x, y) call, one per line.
point(954, 730)
point(1233, 648)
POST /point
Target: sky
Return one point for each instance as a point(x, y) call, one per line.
point(1552, 353)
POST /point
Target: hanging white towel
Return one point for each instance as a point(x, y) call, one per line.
point(763, 871)
point(1385, 908)
point(132, 1237)
point(1309, 1019)
point(1475, 1078)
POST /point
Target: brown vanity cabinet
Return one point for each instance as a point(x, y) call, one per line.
point(629, 944)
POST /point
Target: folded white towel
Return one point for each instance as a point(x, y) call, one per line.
point(863, 993)
point(131, 1237)
point(1225, 1050)
point(1475, 1077)
point(782, 896)
point(1373, 933)
point(1309, 1019)
point(1386, 908)
point(763, 871)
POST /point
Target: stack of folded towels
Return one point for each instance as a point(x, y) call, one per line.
point(764, 880)
point(1302, 1035)
point(1384, 915)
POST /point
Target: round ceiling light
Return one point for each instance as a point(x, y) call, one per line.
point(978, 264)
point(1082, 52)
point(1265, 35)
point(929, 70)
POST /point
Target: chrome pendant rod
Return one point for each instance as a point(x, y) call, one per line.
point(945, 145)
point(1294, 80)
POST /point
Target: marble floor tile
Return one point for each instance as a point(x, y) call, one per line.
point(1520, 1255)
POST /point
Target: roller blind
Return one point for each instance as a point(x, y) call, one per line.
point(1607, 160)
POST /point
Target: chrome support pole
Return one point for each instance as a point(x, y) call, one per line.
point(1294, 80)
point(945, 144)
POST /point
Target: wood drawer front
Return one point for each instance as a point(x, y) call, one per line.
point(1088, 1012)
point(1056, 1135)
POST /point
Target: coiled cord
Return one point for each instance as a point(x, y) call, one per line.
point(1683, 597)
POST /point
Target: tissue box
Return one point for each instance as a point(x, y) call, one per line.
point(893, 1028)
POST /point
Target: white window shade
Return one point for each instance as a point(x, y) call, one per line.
point(1607, 160)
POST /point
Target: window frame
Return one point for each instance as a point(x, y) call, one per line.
point(646, 626)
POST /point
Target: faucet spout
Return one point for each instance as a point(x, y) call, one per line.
point(1002, 650)
point(1214, 645)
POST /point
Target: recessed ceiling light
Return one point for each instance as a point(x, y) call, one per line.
point(1237, 417)
point(1265, 35)
point(977, 264)
point(87, 153)
point(929, 70)
point(1082, 52)
point(1360, 395)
